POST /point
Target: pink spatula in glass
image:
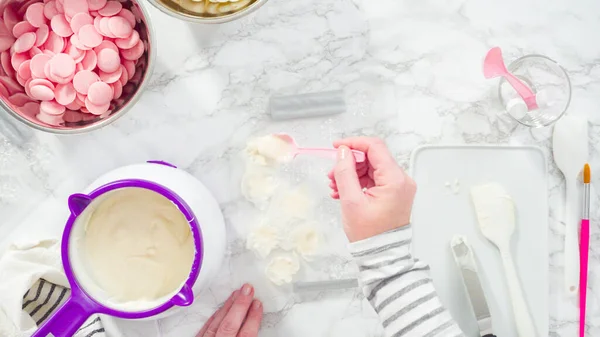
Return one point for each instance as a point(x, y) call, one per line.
point(319, 152)
point(493, 66)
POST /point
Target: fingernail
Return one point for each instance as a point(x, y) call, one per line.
point(246, 289)
point(256, 304)
point(342, 152)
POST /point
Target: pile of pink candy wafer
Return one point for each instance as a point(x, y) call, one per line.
point(68, 60)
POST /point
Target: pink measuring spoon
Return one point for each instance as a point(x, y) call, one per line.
point(319, 152)
point(493, 66)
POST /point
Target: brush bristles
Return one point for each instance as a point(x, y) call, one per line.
point(587, 174)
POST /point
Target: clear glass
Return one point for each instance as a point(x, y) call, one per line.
point(548, 80)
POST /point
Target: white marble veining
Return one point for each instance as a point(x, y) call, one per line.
point(411, 71)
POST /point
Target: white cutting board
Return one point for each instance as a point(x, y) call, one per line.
point(439, 214)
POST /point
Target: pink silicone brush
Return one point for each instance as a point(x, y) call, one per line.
point(584, 246)
point(493, 66)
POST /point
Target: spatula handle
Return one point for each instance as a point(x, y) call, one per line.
point(585, 246)
point(523, 90)
point(359, 156)
point(523, 322)
point(572, 218)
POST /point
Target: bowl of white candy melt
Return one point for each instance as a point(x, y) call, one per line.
point(208, 11)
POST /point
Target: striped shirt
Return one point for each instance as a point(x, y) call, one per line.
point(399, 287)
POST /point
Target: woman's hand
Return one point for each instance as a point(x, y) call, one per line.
point(240, 316)
point(376, 196)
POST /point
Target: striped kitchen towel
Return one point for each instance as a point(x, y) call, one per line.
point(33, 286)
point(44, 297)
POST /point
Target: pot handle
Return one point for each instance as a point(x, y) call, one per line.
point(184, 298)
point(78, 202)
point(67, 319)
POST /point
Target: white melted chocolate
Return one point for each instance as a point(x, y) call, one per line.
point(138, 245)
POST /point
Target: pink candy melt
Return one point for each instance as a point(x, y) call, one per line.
point(73, 7)
point(11, 85)
point(38, 62)
point(80, 20)
point(34, 51)
point(89, 61)
point(124, 76)
point(89, 36)
point(22, 28)
point(24, 43)
point(25, 70)
point(130, 42)
point(30, 109)
point(62, 65)
point(95, 5)
point(17, 58)
point(128, 15)
point(5, 62)
point(52, 108)
point(6, 42)
point(49, 119)
point(35, 14)
point(111, 8)
point(100, 93)
point(65, 93)
point(111, 77)
point(108, 60)
point(75, 53)
point(106, 44)
point(50, 9)
point(41, 92)
point(65, 61)
point(60, 26)
point(41, 81)
point(10, 18)
point(19, 99)
point(83, 80)
point(97, 109)
point(104, 29)
point(3, 91)
point(54, 43)
point(118, 89)
point(119, 27)
point(134, 53)
point(41, 35)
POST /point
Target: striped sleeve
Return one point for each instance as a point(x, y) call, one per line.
point(399, 287)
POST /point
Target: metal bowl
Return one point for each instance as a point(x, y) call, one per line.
point(175, 9)
point(131, 91)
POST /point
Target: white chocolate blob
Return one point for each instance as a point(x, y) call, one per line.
point(281, 269)
point(306, 240)
point(258, 185)
point(495, 209)
point(294, 203)
point(269, 150)
point(262, 240)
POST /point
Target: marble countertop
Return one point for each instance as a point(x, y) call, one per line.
point(411, 72)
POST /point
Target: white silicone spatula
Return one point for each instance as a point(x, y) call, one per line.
point(496, 215)
point(570, 147)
